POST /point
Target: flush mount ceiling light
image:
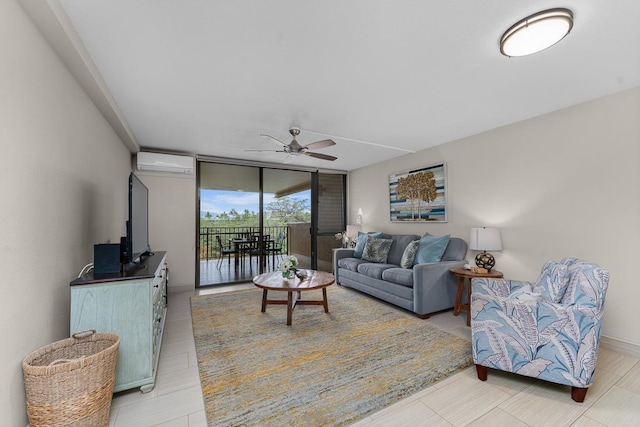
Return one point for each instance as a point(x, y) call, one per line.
point(536, 32)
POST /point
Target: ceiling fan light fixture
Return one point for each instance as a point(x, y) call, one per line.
point(294, 149)
point(536, 32)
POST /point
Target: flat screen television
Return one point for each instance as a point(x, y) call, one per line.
point(137, 239)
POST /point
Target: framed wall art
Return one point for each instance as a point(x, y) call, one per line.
point(419, 195)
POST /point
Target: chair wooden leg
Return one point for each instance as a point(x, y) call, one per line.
point(482, 372)
point(578, 393)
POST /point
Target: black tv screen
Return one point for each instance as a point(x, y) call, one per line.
point(138, 223)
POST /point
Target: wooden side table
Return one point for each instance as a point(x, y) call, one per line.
point(462, 274)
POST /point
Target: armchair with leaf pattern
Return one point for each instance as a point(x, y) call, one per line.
point(548, 330)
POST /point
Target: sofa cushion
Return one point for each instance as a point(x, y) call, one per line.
point(362, 241)
point(350, 263)
point(400, 276)
point(409, 254)
point(430, 249)
point(456, 250)
point(376, 250)
point(553, 281)
point(374, 269)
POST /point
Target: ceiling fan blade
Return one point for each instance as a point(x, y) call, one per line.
point(320, 144)
point(264, 151)
point(320, 156)
point(274, 140)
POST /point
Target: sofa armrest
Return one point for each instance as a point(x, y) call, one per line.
point(343, 253)
point(338, 254)
point(499, 287)
point(434, 286)
point(436, 268)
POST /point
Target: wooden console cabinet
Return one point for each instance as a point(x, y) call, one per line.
point(133, 305)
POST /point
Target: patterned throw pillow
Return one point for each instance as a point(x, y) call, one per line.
point(409, 254)
point(553, 281)
point(431, 249)
point(376, 250)
point(362, 240)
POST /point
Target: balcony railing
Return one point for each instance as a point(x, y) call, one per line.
point(209, 248)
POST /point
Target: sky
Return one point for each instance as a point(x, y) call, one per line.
point(218, 201)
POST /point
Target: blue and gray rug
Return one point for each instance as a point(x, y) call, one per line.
point(325, 369)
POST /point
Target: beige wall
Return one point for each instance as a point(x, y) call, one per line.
point(563, 184)
point(63, 182)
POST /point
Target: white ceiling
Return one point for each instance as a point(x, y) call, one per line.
point(207, 77)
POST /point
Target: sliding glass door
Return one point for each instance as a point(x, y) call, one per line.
point(250, 217)
point(229, 220)
point(287, 204)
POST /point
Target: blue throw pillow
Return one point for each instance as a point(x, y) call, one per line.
point(431, 249)
point(362, 241)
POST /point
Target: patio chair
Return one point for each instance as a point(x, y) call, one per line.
point(276, 247)
point(224, 251)
point(254, 248)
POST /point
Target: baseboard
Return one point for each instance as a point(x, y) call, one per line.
point(620, 346)
point(180, 288)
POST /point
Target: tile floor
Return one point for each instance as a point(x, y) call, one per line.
point(461, 400)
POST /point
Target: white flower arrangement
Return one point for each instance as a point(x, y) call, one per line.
point(347, 242)
point(288, 266)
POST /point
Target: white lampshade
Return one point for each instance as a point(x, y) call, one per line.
point(485, 239)
point(536, 32)
point(352, 230)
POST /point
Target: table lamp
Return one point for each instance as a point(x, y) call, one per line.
point(485, 239)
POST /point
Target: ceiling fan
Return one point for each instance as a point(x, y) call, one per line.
point(294, 148)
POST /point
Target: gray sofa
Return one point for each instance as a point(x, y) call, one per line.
point(423, 289)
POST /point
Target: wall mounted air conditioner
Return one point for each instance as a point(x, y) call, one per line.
point(164, 163)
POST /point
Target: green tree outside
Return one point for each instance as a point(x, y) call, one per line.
point(280, 212)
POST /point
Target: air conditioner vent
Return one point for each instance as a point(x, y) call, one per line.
point(164, 163)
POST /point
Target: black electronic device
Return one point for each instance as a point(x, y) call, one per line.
point(107, 258)
point(137, 238)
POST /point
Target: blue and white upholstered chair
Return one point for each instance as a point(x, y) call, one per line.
point(548, 330)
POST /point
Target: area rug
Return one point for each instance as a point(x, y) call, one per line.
point(326, 369)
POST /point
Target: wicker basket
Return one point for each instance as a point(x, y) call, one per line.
point(70, 382)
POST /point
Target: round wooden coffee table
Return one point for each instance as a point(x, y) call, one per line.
point(274, 282)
